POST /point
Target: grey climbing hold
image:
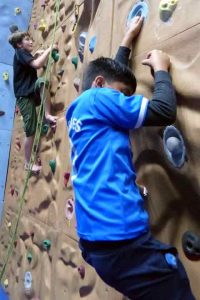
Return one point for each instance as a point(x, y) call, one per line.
point(13, 28)
point(140, 9)
point(174, 146)
point(191, 245)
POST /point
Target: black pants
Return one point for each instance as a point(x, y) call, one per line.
point(141, 269)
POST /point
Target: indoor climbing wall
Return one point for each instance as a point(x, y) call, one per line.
point(45, 263)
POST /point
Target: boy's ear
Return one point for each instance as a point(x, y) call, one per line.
point(99, 81)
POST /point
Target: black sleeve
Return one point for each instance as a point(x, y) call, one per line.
point(24, 57)
point(162, 108)
point(123, 55)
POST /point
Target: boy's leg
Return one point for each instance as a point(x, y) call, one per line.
point(28, 112)
point(141, 271)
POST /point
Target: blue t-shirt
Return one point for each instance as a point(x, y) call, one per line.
point(107, 200)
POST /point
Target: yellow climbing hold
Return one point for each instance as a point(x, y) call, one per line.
point(42, 26)
point(167, 8)
point(5, 76)
point(18, 10)
point(9, 225)
point(5, 283)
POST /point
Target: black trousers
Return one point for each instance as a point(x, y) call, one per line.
point(141, 269)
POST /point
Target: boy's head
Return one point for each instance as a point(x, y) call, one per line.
point(21, 40)
point(106, 72)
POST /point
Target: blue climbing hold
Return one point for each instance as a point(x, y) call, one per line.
point(174, 146)
point(92, 44)
point(171, 260)
point(140, 9)
point(3, 295)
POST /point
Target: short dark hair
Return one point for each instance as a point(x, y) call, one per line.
point(17, 37)
point(111, 70)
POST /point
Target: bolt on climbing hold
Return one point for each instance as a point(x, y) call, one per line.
point(28, 283)
point(5, 283)
point(166, 9)
point(82, 39)
point(35, 25)
point(69, 209)
point(46, 245)
point(66, 178)
point(12, 189)
point(29, 257)
point(9, 225)
point(77, 83)
point(92, 44)
point(174, 146)
point(60, 72)
point(5, 76)
point(81, 270)
point(52, 164)
point(55, 55)
point(74, 61)
point(13, 28)
point(45, 128)
point(191, 245)
point(17, 10)
point(43, 3)
point(2, 113)
point(42, 26)
point(140, 9)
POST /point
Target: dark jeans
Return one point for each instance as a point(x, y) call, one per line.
point(141, 269)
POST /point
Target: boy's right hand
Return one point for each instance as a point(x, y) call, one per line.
point(157, 60)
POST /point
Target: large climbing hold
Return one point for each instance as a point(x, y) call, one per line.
point(140, 9)
point(52, 164)
point(191, 245)
point(167, 8)
point(174, 146)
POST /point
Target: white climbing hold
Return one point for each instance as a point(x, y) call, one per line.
point(28, 283)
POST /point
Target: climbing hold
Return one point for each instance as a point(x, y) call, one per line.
point(55, 55)
point(75, 61)
point(92, 44)
point(13, 28)
point(42, 26)
point(45, 128)
point(35, 25)
point(174, 146)
point(16, 110)
point(66, 178)
point(12, 189)
point(5, 283)
point(167, 8)
point(77, 83)
point(69, 209)
point(191, 245)
point(63, 27)
point(2, 113)
point(43, 3)
point(140, 9)
point(52, 164)
point(46, 245)
point(29, 257)
point(18, 144)
point(81, 270)
point(28, 283)
point(17, 10)
point(9, 225)
point(82, 39)
point(60, 72)
point(5, 76)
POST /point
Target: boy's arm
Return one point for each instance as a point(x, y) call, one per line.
point(125, 47)
point(40, 61)
point(162, 108)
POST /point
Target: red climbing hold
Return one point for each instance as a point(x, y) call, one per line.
point(81, 270)
point(17, 110)
point(12, 189)
point(66, 178)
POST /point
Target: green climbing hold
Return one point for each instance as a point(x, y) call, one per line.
point(46, 245)
point(45, 129)
point(55, 55)
point(52, 164)
point(75, 61)
point(29, 257)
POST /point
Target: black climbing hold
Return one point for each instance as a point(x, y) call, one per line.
point(174, 146)
point(2, 113)
point(191, 245)
point(60, 72)
point(13, 28)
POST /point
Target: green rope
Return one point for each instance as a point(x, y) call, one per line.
point(34, 150)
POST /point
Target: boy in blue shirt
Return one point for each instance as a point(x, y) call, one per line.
point(112, 223)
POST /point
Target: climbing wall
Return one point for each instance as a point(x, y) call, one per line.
point(45, 253)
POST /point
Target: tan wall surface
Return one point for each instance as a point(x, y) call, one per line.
point(174, 194)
